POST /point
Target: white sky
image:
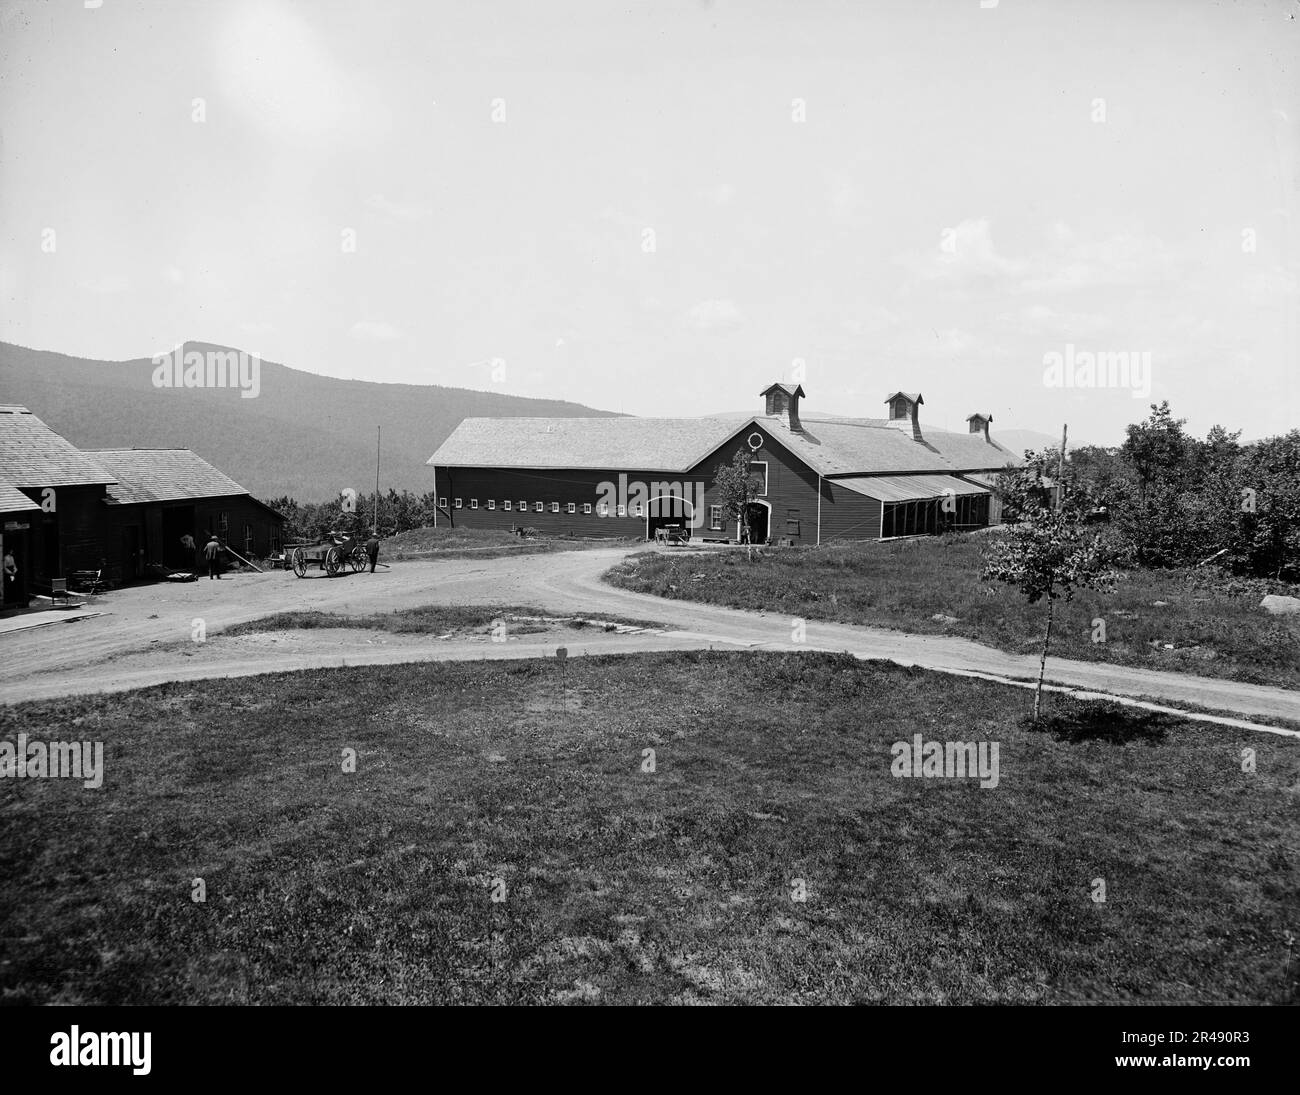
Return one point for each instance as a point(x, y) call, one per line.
point(774, 240)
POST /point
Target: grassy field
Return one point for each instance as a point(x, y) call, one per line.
point(620, 885)
point(454, 543)
point(1206, 625)
point(435, 620)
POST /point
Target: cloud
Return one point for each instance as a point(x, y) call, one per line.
point(1040, 319)
point(398, 211)
point(1123, 259)
point(174, 275)
point(721, 194)
point(870, 321)
point(714, 315)
point(107, 286)
point(843, 194)
point(280, 74)
point(371, 331)
point(964, 254)
point(966, 259)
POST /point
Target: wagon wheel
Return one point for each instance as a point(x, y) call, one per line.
point(358, 559)
point(333, 562)
point(299, 562)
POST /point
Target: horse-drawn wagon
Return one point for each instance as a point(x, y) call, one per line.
point(333, 555)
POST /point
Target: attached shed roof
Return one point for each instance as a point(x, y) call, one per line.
point(909, 488)
point(33, 455)
point(12, 500)
point(855, 447)
point(163, 475)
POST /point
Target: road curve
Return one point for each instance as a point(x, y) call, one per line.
point(134, 642)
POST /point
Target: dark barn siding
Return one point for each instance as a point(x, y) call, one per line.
point(120, 524)
point(545, 485)
point(267, 528)
point(69, 538)
point(848, 515)
point(791, 488)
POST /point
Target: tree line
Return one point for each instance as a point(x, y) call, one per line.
point(395, 512)
point(1176, 500)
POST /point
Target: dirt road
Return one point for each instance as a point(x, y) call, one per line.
point(145, 633)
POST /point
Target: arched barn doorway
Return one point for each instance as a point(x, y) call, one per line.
point(672, 513)
point(758, 519)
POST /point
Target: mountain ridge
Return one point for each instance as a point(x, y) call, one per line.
point(304, 435)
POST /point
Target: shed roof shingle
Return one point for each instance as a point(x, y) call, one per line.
point(163, 475)
point(33, 455)
point(12, 500)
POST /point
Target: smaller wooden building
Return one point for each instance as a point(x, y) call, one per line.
point(162, 495)
point(116, 510)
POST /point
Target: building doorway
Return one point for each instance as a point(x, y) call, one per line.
point(758, 520)
point(15, 541)
point(670, 512)
point(177, 522)
point(132, 556)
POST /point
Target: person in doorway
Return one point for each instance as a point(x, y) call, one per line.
point(11, 578)
point(212, 552)
point(372, 549)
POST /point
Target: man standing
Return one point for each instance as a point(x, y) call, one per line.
point(11, 577)
point(212, 552)
point(372, 549)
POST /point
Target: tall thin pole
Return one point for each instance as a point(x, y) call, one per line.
point(1060, 468)
point(374, 520)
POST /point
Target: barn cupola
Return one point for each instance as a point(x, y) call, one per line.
point(979, 423)
point(903, 412)
point(782, 403)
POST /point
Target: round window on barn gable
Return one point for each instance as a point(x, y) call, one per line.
point(755, 440)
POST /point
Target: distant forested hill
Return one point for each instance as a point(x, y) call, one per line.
point(304, 435)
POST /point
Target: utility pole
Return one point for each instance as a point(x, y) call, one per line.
point(374, 518)
point(1060, 469)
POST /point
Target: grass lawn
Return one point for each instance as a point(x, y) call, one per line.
point(435, 620)
point(1209, 625)
point(445, 542)
point(621, 885)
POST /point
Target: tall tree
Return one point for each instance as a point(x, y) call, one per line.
point(1157, 449)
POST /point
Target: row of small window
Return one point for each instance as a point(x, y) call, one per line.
point(540, 507)
point(602, 509)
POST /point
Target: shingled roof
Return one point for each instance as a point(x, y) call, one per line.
point(12, 500)
point(641, 444)
point(830, 447)
point(163, 475)
point(33, 455)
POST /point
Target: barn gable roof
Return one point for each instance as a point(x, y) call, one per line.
point(828, 446)
point(33, 455)
point(163, 475)
point(644, 444)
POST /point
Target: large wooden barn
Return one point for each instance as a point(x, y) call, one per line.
point(116, 510)
point(819, 479)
